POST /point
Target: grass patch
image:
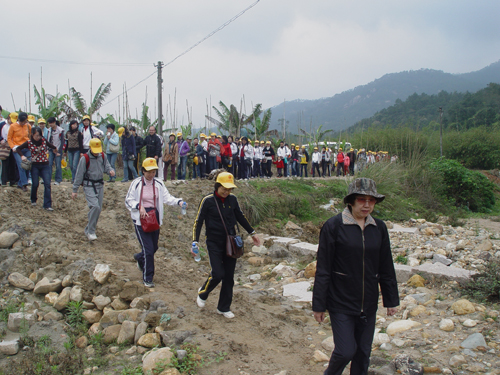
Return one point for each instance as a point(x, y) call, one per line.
point(485, 286)
point(401, 259)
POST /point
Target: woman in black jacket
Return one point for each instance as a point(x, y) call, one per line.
point(222, 265)
point(354, 258)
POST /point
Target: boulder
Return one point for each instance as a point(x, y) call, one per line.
point(51, 297)
point(7, 239)
point(446, 325)
point(132, 289)
point(20, 320)
point(67, 281)
point(462, 307)
point(45, 286)
point(486, 245)
point(111, 333)
point(53, 315)
point(151, 358)
point(76, 294)
point(101, 302)
point(63, 299)
point(400, 326)
point(119, 304)
point(420, 309)
point(109, 318)
point(310, 270)
point(127, 333)
point(101, 273)
point(328, 344)
point(416, 281)
point(92, 316)
point(19, 281)
point(9, 347)
point(473, 341)
point(129, 314)
point(94, 329)
point(139, 303)
point(140, 331)
point(149, 340)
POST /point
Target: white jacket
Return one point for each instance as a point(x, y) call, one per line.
point(316, 157)
point(282, 152)
point(162, 197)
point(249, 151)
point(204, 144)
point(234, 149)
point(257, 153)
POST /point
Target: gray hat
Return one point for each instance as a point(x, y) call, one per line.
point(364, 186)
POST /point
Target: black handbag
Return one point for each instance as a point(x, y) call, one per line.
point(234, 244)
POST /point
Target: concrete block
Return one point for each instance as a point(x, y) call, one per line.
point(439, 271)
point(400, 229)
point(403, 272)
point(303, 248)
point(299, 291)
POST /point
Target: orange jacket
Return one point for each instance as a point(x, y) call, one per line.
point(18, 134)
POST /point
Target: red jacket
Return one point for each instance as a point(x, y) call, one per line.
point(226, 150)
point(340, 157)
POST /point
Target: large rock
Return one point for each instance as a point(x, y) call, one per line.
point(303, 248)
point(109, 318)
point(111, 333)
point(9, 347)
point(319, 356)
point(51, 298)
point(310, 270)
point(328, 344)
point(439, 271)
point(486, 245)
point(150, 340)
point(446, 325)
point(132, 289)
point(473, 341)
point(462, 307)
point(7, 239)
point(92, 316)
point(401, 325)
point(119, 304)
point(129, 314)
point(76, 294)
point(45, 286)
point(140, 331)
point(416, 281)
point(63, 299)
point(20, 281)
point(20, 320)
point(101, 273)
point(127, 333)
point(298, 291)
point(101, 302)
point(380, 338)
point(151, 358)
point(139, 303)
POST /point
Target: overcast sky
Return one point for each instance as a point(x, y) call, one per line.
point(279, 49)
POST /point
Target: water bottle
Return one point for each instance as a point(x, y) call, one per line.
point(183, 208)
point(196, 251)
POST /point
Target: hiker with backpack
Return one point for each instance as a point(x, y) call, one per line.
point(89, 173)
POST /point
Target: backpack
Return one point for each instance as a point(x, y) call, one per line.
point(87, 159)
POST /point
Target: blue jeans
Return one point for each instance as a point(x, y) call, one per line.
point(73, 159)
point(196, 170)
point(23, 174)
point(58, 159)
point(212, 163)
point(45, 172)
point(181, 172)
point(112, 161)
point(126, 165)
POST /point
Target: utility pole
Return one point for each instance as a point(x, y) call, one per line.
point(159, 129)
point(284, 119)
point(441, 130)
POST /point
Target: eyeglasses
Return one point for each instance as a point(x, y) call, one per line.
point(367, 200)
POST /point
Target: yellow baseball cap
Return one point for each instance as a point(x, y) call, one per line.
point(64, 163)
point(13, 116)
point(86, 117)
point(315, 148)
point(219, 136)
point(262, 142)
point(213, 135)
point(293, 144)
point(41, 121)
point(297, 147)
point(268, 142)
point(256, 141)
point(179, 134)
point(226, 179)
point(31, 118)
point(121, 129)
point(303, 146)
point(149, 164)
point(202, 135)
point(95, 145)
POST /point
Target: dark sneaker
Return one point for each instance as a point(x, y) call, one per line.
point(149, 284)
point(139, 265)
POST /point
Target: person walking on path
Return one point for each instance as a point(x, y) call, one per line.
point(20, 132)
point(73, 147)
point(316, 159)
point(152, 142)
point(56, 137)
point(222, 266)
point(111, 147)
point(89, 173)
point(170, 158)
point(184, 148)
point(200, 153)
point(146, 196)
point(39, 148)
point(128, 154)
point(340, 163)
point(354, 260)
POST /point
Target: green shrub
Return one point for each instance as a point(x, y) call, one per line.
point(463, 187)
point(486, 285)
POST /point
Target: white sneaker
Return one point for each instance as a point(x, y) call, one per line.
point(91, 236)
point(227, 314)
point(200, 302)
point(29, 181)
point(56, 183)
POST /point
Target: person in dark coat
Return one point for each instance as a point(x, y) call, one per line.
point(354, 259)
point(139, 144)
point(129, 155)
point(152, 142)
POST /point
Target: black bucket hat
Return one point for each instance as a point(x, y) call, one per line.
point(364, 186)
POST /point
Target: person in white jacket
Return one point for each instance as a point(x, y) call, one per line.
point(146, 196)
point(257, 157)
point(316, 159)
point(283, 153)
point(248, 157)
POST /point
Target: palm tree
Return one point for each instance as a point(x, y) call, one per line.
point(316, 136)
point(97, 101)
point(229, 119)
point(53, 106)
point(259, 127)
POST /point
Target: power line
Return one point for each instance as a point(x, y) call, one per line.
point(189, 49)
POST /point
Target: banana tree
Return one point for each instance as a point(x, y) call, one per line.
point(98, 100)
point(317, 135)
point(259, 127)
point(53, 106)
point(229, 120)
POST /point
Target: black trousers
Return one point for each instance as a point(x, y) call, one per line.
point(353, 337)
point(316, 168)
point(149, 245)
point(222, 271)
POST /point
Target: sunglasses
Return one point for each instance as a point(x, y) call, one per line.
point(368, 200)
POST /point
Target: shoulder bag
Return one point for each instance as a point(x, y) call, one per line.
point(4, 151)
point(234, 244)
point(149, 223)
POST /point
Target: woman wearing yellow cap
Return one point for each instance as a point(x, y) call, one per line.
point(221, 200)
point(146, 196)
